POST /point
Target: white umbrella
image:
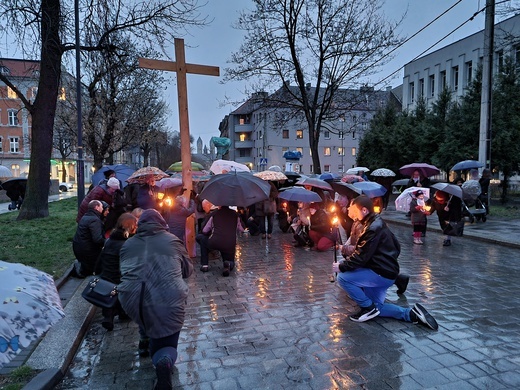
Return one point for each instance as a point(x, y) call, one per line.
point(382, 172)
point(355, 170)
point(225, 166)
point(5, 172)
point(402, 203)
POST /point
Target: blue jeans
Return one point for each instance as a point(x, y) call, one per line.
point(366, 287)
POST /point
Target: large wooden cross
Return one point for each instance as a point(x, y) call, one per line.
point(181, 68)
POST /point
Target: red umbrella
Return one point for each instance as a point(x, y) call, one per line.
point(426, 170)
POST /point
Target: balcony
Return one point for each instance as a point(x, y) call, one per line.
point(244, 144)
point(246, 128)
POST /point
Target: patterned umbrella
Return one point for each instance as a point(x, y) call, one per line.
point(351, 179)
point(271, 175)
point(383, 172)
point(314, 182)
point(402, 202)
point(225, 166)
point(141, 175)
point(30, 306)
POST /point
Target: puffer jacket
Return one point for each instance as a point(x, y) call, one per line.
point(89, 239)
point(376, 249)
point(154, 263)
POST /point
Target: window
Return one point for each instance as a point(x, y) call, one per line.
point(432, 85)
point(5, 70)
point(1, 145)
point(517, 56)
point(299, 134)
point(421, 88)
point(341, 135)
point(340, 168)
point(285, 149)
point(443, 80)
point(353, 151)
point(455, 78)
point(311, 169)
point(242, 137)
point(244, 152)
point(285, 134)
point(326, 151)
point(500, 60)
point(300, 150)
point(412, 92)
point(12, 118)
point(326, 168)
point(326, 134)
point(14, 146)
point(33, 93)
point(469, 72)
point(11, 94)
point(15, 168)
point(341, 151)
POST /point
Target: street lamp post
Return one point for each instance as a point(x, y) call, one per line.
point(342, 137)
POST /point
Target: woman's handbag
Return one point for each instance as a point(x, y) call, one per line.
point(454, 228)
point(100, 292)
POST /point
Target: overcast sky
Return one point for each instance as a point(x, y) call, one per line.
point(214, 44)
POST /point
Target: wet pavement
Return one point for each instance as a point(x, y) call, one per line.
point(279, 323)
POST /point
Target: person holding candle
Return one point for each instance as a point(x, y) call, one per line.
point(418, 214)
point(321, 232)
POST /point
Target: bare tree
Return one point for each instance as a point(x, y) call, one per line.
point(323, 45)
point(46, 27)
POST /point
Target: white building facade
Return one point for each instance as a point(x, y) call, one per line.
point(454, 66)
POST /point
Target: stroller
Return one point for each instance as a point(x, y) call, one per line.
point(472, 206)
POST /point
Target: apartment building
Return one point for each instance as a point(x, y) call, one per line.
point(454, 66)
point(261, 132)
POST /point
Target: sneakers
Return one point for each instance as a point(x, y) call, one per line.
point(163, 370)
point(446, 243)
point(402, 283)
point(204, 268)
point(419, 315)
point(365, 314)
point(417, 241)
point(143, 347)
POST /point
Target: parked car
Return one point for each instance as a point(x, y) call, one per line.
point(64, 187)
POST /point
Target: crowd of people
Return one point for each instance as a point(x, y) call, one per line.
point(130, 237)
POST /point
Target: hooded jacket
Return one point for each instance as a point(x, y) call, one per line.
point(376, 249)
point(154, 263)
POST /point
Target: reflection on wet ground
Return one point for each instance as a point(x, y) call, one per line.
point(277, 322)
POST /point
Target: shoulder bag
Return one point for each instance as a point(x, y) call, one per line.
point(100, 292)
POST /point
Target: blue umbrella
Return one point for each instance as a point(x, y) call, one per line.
point(299, 194)
point(122, 171)
point(327, 176)
point(370, 188)
point(467, 164)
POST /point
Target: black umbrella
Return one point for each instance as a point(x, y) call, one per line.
point(16, 183)
point(346, 189)
point(235, 189)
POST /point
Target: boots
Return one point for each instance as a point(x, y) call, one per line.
point(402, 283)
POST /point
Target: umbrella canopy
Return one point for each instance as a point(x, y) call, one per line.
point(275, 168)
point(346, 189)
point(328, 176)
point(299, 194)
point(314, 182)
point(271, 175)
point(451, 189)
point(356, 170)
point(123, 172)
point(370, 188)
point(426, 170)
point(384, 172)
point(235, 189)
point(5, 172)
point(402, 202)
point(196, 176)
point(465, 165)
point(168, 182)
point(30, 306)
point(225, 166)
point(142, 175)
point(9, 184)
point(177, 166)
point(351, 178)
point(471, 189)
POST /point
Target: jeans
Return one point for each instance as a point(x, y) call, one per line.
point(270, 221)
point(366, 287)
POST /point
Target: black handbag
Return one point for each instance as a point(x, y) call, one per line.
point(454, 228)
point(100, 292)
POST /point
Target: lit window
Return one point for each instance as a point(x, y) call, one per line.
point(11, 94)
point(285, 149)
point(326, 168)
point(299, 134)
point(242, 137)
point(14, 146)
point(341, 151)
point(300, 150)
point(326, 151)
point(326, 134)
point(62, 95)
point(15, 168)
point(285, 134)
point(12, 118)
point(353, 151)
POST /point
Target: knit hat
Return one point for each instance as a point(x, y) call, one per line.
point(418, 192)
point(113, 182)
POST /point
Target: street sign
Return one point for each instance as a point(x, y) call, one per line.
point(263, 161)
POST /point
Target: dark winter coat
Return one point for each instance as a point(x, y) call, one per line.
point(109, 257)
point(89, 239)
point(154, 263)
point(376, 249)
point(224, 234)
point(176, 218)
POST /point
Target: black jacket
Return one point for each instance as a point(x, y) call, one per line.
point(109, 257)
point(376, 249)
point(89, 239)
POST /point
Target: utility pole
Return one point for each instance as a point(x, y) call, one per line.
point(80, 163)
point(342, 136)
point(484, 146)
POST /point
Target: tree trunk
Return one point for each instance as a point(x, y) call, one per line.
point(36, 201)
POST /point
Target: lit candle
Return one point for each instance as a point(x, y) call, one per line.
point(309, 219)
